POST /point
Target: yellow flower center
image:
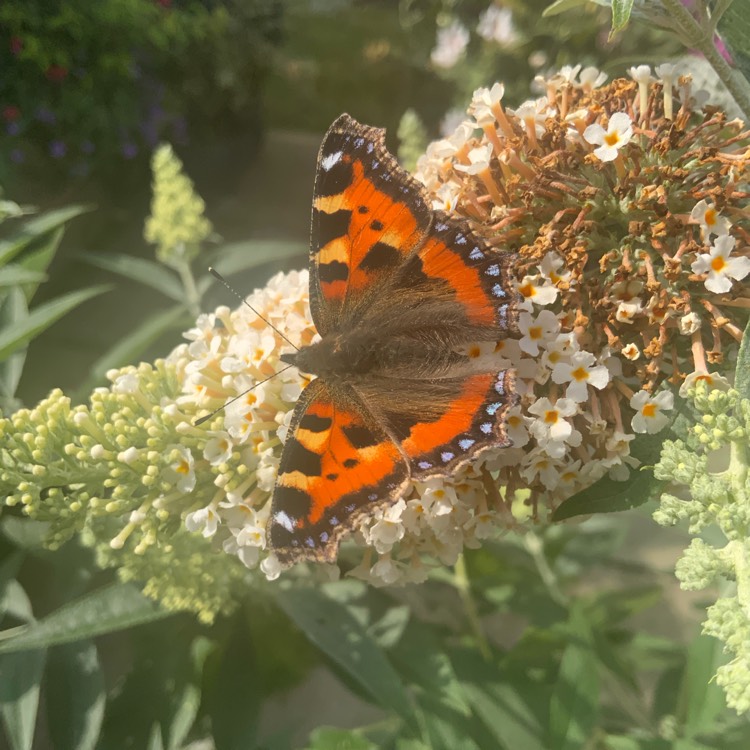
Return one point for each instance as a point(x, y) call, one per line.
point(514, 421)
point(535, 332)
point(718, 264)
point(649, 410)
point(551, 416)
point(611, 139)
point(710, 217)
point(581, 373)
point(251, 399)
point(182, 467)
point(527, 290)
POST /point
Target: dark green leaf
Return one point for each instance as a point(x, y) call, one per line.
point(329, 625)
point(34, 228)
point(420, 657)
point(327, 738)
point(20, 679)
point(114, 607)
point(131, 347)
point(42, 317)
point(74, 696)
point(742, 370)
point(621, 10)
point(574, 708)
point(142, 270)
point(13, 275)
point(496, 696)
point(16, 604)
point(610, 496)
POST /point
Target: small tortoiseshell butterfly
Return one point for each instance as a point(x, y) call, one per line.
point(396, 291)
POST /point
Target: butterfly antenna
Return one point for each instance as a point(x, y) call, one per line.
point(218, 276)
point(245, 392)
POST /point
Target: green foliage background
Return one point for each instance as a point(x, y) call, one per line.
point(568, 637)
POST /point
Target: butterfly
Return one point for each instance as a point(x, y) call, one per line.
point(397, 292)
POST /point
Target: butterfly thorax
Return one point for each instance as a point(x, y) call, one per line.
point(359, 354)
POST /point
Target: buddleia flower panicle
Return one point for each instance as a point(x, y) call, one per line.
point(614, 319)
point(177, 224)
point(709, 485)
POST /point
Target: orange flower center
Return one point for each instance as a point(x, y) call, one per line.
point(718, 263)
point(182, 467)
point(527, 290)
point(551, 417)
point(710, 217)
point(649, 410)
point(535, 332)
point(612, 138)
point(580, 373)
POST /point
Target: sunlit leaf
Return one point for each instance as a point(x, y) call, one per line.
point(12, 275)
point(560, 6)
point(621, 10)
point(114, 607)
point(328, 738)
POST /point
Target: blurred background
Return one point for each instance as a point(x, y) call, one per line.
point(243, 90)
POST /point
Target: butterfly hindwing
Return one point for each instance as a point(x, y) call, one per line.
point(445, 423)
point(337, 466)
point(368, 217)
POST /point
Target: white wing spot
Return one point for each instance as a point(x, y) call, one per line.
point(284, 520)
point(329, 160)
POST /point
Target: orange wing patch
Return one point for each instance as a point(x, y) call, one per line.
point(335, 467)
point(368, 217)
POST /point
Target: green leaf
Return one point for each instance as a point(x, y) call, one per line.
point(12, 275)
point(328, 738)
point(74, 696)
point(12, 309)
point(114, 607)
point(496, 697)
point(14, 337)
point(131, 347)
point(610, 496)
point(574, 707)
point(25, 533)
point(742, 371)
point(20, 679)
point(34, 228)
point(621, 10)
point(331, 627)
point(242, 256)
point(39, 259)
point(420, 656)
point(560, 6)
point(734, 28)
point(142, 270)
point(701, 699)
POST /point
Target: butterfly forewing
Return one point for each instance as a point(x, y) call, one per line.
point(368, 217)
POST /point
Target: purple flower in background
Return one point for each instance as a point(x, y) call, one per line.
point(129, 149)
point(12, 128)
point(17, 156)
point(87, 147)
point(57, 149)
point(45, 115)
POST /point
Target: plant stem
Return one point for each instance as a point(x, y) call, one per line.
point(193, 298)
point(463, 584)
point(549, 579)
point(700, 37)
